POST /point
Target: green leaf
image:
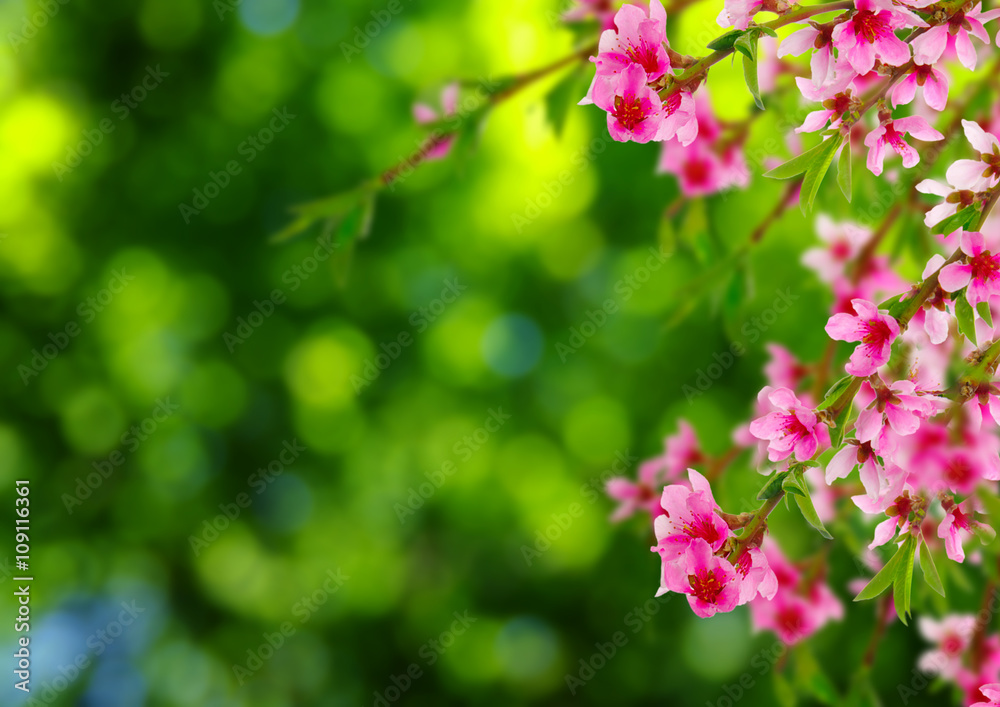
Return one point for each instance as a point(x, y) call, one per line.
point(961, 219)
point(902, 583)
point(750, 76)
point(883, 580)
point(797, 165)
point(984, 313)
point(836, 390)
point(929, 570)
point(805, 504)
point(747, 46)
point(817, 170)
point(811, 678)
point(844, 170)
point(737, 291)
point(773, 486)
point(767, 30)
point(333, 208)
point(985, 533)
point(695, 233)
point(726, 41)
point(559, 100)
point(840, 425)
point(791, 485)
point(966, 318)
point(784, 691)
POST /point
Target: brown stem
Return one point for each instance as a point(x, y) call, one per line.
point(879, 631)
point(755, 526)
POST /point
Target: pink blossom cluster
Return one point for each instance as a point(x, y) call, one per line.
point(695, 544)
point(890, 48)
point(957, 657)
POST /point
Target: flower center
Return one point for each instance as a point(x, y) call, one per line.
point(701, 527)
point(793, 426)
point(869, 26)
point(985, 266)
point(706, 586)
point(958, 472)
point(644, 55)
point(697, 171)
point(877, 333)
point(628, 111)
point(952, 645)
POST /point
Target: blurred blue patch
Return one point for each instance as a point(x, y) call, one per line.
point(512, 345)
point(268, 16)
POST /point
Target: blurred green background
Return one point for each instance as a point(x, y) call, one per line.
point(156, 360)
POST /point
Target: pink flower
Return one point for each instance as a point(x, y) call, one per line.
point(634, 109)
point(689, 514)
point(679, 119)
point(955, 199)
point(952, 636)
point(870, 34)
point(977, 175)
point(984, 403)
point(700, 170)
point(891, 133)
point(992, 693)
point(819, 41)
point(897, 405)
point(843, 242)
point(928, 47)
point(601, 10)
point(738, 13)
point(424, 114)
point(638, 41)
point(899, 512)
point(783, 370)
point(790, 428)
point(957, 522)
point(634, 496)
point(711, 583)
point(933, 82)
point(979, 270)
point(840, 100)
point(856, 454)
point(800, 606)
point(758, 579)
point(875, 331)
